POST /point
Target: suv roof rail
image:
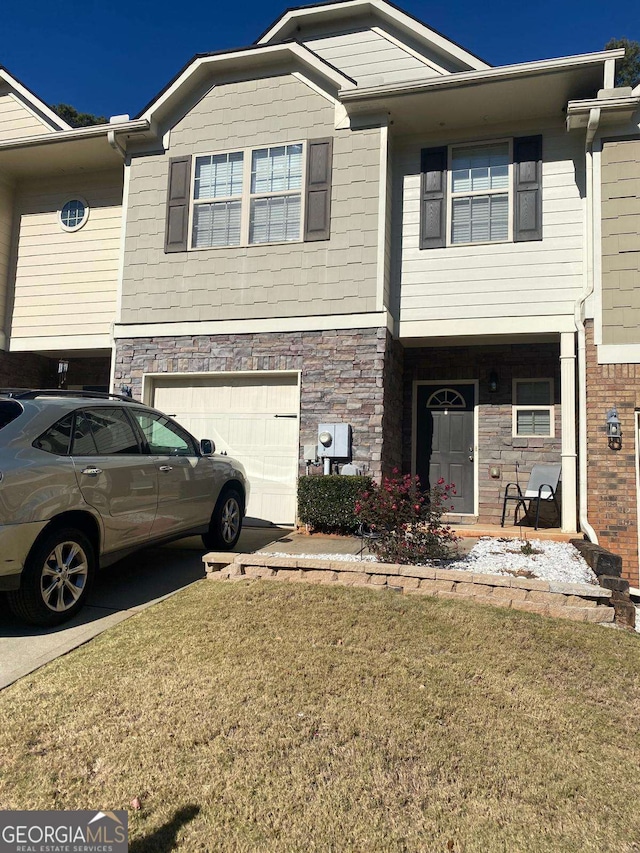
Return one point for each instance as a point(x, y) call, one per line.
point(32, 393)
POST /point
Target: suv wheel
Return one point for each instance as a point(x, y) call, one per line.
point(226, 522)
point(56, 578)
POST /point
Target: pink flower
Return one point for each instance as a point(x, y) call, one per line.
point(441, 481)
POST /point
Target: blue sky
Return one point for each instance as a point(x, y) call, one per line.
point(109, 58)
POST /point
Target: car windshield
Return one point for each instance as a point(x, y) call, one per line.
point(9, 411)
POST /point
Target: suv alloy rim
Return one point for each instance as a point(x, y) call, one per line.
point(64, 576)
point(230, 519)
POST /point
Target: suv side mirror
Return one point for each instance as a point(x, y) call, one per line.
point(207, 447)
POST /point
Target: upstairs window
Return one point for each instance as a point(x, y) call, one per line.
point(217, 196)
point(480, 190)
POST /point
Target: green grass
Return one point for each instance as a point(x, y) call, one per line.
point(274, 717)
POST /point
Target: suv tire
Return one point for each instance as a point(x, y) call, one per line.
point(56, 578)
point(226, 522)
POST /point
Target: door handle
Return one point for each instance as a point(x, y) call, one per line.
point(470, 458)
point(92, 471)
point(165, 468)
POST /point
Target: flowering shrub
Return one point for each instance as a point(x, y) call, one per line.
point(407, 520)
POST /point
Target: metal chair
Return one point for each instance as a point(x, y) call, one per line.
point(542, 487)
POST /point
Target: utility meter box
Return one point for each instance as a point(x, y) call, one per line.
point(334, 441)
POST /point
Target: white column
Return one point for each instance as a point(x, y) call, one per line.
point(568, 410)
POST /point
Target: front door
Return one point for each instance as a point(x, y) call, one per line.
point(445, 440)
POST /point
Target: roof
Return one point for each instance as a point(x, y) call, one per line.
point(45, 110)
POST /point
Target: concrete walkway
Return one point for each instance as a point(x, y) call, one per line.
point(118, 593)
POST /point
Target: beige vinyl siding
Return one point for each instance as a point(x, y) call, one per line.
point(66, 282)
point(501, 280)
point(17, 120)
point(256, 282)
point(370, 58)
point(6, 227)
point(621, 242)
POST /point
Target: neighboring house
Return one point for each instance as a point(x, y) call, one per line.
point(354, 220)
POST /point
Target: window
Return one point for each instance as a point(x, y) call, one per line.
point(56, 438)
point(73, 214)
point(164, 437)
point(533, 410)
point(103, 432)
point(480, 188)
point(248, 197)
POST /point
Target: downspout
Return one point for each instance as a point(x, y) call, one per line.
point(115, 144)
point(579, 318)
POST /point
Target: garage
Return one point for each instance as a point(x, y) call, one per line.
point(251, 416)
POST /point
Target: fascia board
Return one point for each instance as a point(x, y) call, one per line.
point(263, 56)
point(388, 12)
point(40, 106)
point(136, 126)
point(466, 78)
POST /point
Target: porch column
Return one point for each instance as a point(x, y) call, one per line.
point(568, 413)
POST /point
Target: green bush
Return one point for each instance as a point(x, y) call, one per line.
point(328, 504)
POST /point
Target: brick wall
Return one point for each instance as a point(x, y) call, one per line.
point(611, 474)
point(341, 376)
point(496, 446)
point(26, 370)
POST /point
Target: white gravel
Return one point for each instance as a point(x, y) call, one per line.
point(552, 561)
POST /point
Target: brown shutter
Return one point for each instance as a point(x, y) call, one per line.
point(527, 163)
point(433, 202)
point(317, 224)
point(178, 191)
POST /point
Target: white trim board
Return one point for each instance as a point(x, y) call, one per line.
point(60, 343)
point(240, 327)
point(486, 326)
point(618, 353)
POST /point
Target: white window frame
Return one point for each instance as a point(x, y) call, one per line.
point(247, 196)
point(508, 190)
point(83, 221)
point(550, 407)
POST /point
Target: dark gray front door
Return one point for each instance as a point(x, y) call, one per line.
point(445, 440)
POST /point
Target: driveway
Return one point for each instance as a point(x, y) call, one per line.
point(119, 591)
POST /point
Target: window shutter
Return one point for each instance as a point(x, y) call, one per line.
point(433, 185)
point(317, 224)
point(527, 162)
point(178, 192)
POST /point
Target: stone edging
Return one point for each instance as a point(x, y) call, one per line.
point(581, 602)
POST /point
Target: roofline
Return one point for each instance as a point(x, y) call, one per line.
point(273, 28)
point(292, 47)
point(134, 126)
point(465, 78)
point(35, 101)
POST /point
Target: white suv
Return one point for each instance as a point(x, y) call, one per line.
point(86, 479)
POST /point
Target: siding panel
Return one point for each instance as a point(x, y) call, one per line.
point(17, 121)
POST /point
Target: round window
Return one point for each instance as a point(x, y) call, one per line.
point(73, 214)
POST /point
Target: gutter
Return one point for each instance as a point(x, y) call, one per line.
point(464, 78)
point(135, 126)
point(579, 317)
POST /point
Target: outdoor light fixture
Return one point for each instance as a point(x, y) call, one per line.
point(614, 433)
point(493, 382)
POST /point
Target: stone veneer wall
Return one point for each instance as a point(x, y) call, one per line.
point(341, 376)
point(496, 445)
point(611, 474)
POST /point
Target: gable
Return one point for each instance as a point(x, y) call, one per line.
point(17, 119)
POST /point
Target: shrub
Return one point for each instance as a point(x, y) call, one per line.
point(407, 520)
point(328, 504)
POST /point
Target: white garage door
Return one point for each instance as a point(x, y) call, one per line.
point(253, 418)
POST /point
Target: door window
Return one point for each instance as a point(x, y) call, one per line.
point(104, 432)
point(164, 437)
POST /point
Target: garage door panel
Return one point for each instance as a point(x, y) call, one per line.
point(239, 414)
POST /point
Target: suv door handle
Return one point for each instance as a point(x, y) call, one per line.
point(165, 468)
point(92, 471)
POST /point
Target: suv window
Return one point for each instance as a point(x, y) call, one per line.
point(164, 437)
point(103, 432)
point(56, 438)
point(9, 411)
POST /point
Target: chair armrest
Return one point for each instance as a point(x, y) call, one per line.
point(507, 496)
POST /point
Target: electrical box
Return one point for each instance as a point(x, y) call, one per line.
point(310, 452)
point(334, 441)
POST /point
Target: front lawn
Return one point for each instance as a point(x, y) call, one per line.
point(269, 717)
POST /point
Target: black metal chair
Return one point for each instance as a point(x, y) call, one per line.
point(541, 488)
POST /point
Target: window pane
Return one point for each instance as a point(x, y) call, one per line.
point(482, 167)
point(111, 431)
point(275, 220)
point(216, 224)
point(534, 422)
point(56, 438)
point(276, 169)
point(479, 219)
point(218, 175)
point(533, 393)
point(83, 442)
point(164, 437)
